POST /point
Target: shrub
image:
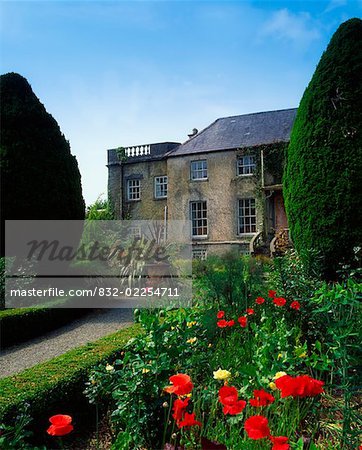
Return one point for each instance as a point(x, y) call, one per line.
point(40, 177)
point(323, 172)
point(58, 384)
point(19, 325)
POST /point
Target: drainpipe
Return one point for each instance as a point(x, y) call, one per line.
point(165, 224)
point(262, 167)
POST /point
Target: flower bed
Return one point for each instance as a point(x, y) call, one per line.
point(246, 367)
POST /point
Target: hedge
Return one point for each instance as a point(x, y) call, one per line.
point(21, 324)
point(58, 384)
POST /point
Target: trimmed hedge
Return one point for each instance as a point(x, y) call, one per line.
point(57, 386)
point(323, 173)
point(19, 325)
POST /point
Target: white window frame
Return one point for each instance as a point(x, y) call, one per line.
point(133, 190)
point(198, 170)
point(198, 217)
point(246, 165)
point(246, 216)
point(199, 253)
point(161, 184)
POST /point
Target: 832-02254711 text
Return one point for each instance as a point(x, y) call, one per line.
point(98, 291)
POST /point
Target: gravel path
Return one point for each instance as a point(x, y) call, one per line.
point(86, 329)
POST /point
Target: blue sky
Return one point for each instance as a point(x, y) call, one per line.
point(130, 72)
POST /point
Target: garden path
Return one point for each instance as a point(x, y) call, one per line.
point(89, 328)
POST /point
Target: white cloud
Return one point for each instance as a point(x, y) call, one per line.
point(297, 28)
point(333, 4)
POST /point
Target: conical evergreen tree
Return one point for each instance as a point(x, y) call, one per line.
point(39, 175)
point(323, 173)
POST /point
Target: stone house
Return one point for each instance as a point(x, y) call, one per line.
point(226, 180)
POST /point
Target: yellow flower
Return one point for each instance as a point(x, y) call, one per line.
point(279, 375)
point(144, 370)
point(109, 368)
point(273, 386)
point(222, 374)
point(191, 340)
point(280, 355)
point(190, 324)
point(210, 345)
point(303, 355)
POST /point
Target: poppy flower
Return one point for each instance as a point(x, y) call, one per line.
point(230, 323)
point(250, 311)
point(220, 314)
point(280, 443)
point(243, 320)
point(222, 323)
point(295, 305)
point(228, 395)
point(260, 300)
point(60, 425)
point(179, 407)
point(182, 384)
point(257, 427)
point(261, 398)
point(279, 301)
point(189, 421)
point(272, 294)
point(301, 386)
point(235, 408)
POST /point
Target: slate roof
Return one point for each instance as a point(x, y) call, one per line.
point(248, 130)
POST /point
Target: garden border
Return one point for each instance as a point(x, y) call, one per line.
point(49, 385)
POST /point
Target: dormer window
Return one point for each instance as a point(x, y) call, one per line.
point(246, 165)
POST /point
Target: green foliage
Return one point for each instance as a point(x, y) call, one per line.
point(323, 172)
point(19, 325)
point(100, 210)
point(231, 279)
point(59, 381)
point(135, 382)
point(40, 177)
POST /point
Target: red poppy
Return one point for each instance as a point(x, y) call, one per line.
point(272, 294)
point(301, 386)
point(220, 314)
point(261, 398)
point(250, 311)
point(182, 384)
point(222, 323)
point(60, 425)
point(280, 443)
point(243, 320)
point(279, 301)
point(260, 300)
point(228, 396)
point(179, 408)
point(235, 408)
point(295, 305)
point(257, 427)
point(189, 421)
point(230, 323)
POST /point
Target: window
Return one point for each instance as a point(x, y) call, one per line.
point(247, 216)
point(199, 170)
point(246, 165)
point(135, 232)
point(134, 189)
point(199, 253)
point(199, 218)
point(160, 187)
